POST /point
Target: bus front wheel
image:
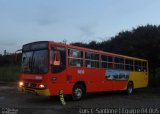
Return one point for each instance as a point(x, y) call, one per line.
point(130, 88)
point(78, 92)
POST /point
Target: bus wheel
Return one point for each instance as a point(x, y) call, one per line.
point(130, 88)
point(78, 92)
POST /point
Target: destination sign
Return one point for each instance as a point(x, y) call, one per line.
point(35, 46)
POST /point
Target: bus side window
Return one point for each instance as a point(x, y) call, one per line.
point(56, 59)
point(75, 58)
point(138, 66)
point(144, 66)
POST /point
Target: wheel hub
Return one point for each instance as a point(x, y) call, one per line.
point(78, 92)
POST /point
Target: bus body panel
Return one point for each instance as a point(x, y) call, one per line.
point(120, 85)
point(140, 79)
point(93, 78)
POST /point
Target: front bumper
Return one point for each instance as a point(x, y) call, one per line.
point(41, 92)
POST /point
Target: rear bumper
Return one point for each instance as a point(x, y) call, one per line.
point(41, 92)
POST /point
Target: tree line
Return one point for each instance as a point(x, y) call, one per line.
point(10, 59)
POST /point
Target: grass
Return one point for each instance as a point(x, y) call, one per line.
point(9, 73)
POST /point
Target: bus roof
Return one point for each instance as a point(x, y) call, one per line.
point(94, 51)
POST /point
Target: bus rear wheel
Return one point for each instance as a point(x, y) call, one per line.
point(130, 88)
point(78, 92)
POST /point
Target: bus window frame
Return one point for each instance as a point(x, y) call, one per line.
point(119, 63)
point(129, 64)
point(92, 60)
point(100, 60)
point(48, 66)
point(107, 62)
point(68, 57)
point(50, 59)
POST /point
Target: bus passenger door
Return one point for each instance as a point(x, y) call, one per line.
point(58, 64)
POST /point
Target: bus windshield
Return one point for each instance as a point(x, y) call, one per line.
point(35, 62)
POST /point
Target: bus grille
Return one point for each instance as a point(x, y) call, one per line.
point(31, 85)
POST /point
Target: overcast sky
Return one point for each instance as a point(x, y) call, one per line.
point(24, 21)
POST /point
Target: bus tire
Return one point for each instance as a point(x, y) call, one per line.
point(130, 88)
point(78, 92)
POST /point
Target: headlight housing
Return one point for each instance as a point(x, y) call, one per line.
point(21, 83)
point(42, 86)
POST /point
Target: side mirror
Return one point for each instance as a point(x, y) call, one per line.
point(17, 56)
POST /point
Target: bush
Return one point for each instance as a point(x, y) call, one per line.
point(9, 73)
point(157, 77)
point(154, 78)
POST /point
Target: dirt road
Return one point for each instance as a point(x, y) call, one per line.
point(143, 100)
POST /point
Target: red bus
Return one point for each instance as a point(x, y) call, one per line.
point(48, 67)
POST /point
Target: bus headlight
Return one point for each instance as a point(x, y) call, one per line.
point(21, 84)
point(42, 86)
